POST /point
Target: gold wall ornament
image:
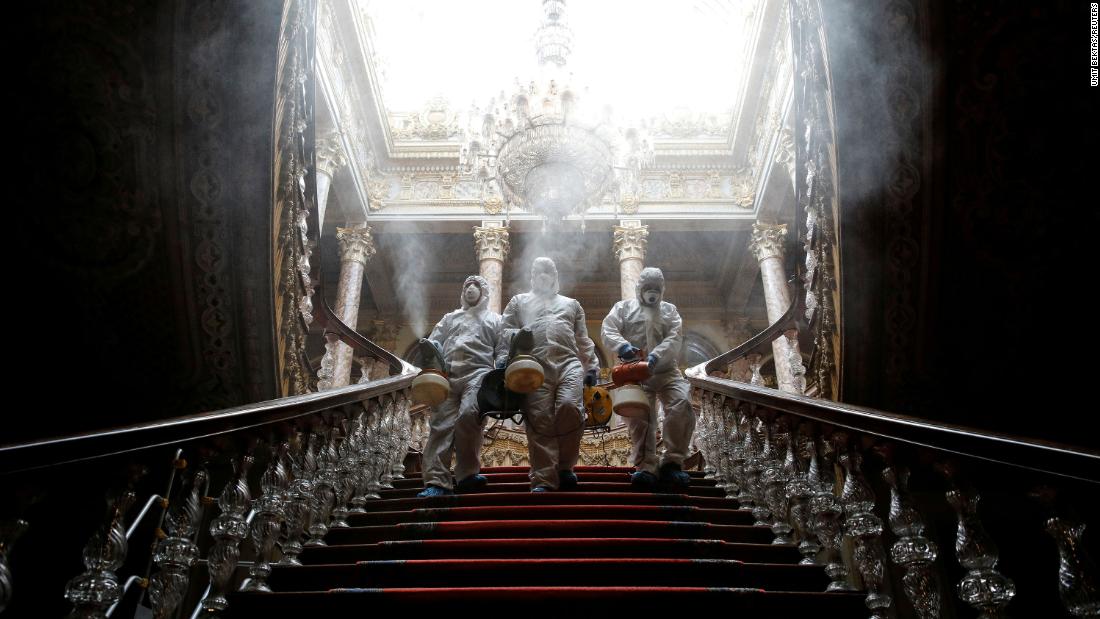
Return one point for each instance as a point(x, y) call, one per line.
point(290, 234)
point(629, 204)
point(493, 205)
point(435, 122)
point(378, 190)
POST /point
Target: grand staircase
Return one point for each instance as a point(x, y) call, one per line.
point(602, 547)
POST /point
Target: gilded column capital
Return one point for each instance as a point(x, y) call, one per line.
point(767, 240)
point(356, 244)
point(630, 241)
point(491, 242)
point(330, 155)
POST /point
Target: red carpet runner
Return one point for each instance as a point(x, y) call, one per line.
point(600, 548)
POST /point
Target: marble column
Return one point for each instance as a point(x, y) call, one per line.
point(356, 247)
point(767, 247)
point(629, 244)
point(330, 158)
point(491, 243)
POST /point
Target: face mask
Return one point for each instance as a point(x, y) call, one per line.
point(543, 282)
point(651, 297)
point(471, 294)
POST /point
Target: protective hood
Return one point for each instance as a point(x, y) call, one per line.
point(651, 278)
point(483, 300)
point(544, 264)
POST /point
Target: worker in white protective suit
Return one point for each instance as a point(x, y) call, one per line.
point(555, 411)
point(647, 322)
point(467, 339)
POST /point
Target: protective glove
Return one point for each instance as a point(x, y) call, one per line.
point(590, 378)
point(652, 361)
point(627, 352)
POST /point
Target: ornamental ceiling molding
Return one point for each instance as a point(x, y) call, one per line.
point(777, 91)
point(709, 128)
point(384, 143)
point(338, 87)
point(446, 188)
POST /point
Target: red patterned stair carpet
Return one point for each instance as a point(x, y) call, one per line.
point(605, 546)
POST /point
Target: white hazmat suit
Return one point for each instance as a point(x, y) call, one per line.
point(555, 412)
point(647, 322)
point(468, 338)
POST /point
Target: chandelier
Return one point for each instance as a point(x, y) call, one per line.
point(542, 148)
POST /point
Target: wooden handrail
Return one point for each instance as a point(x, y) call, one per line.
point(137, 437)
point(791, 318)
point(1025, 453)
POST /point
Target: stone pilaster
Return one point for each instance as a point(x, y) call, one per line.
point(330, 158)
point(767, 247)
point(492, 245)
point(629, 245)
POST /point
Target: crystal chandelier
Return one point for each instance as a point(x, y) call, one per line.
point(542, 149)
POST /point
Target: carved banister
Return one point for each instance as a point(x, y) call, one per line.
point(835, 464)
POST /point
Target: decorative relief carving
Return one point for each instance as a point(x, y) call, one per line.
point(294, 289)
point(491, 242)
point(630, 241)
point(330, 155)
point(629, 204)
point(508, 447)
point(493, 205)
point(356, 244)
point(767, 240)
point(683, 124)
point(784, 152)
point(436, 121)
point(817, 196)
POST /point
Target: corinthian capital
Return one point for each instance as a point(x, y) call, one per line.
point(491, 242)
point(356, 244)
point(330, 155)
point(767, 240)
point(630, 240)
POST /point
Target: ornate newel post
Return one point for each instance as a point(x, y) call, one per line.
point(356, 248)
point(492, 245)
point(330, 158)
point(767, 247)
point(629, 244)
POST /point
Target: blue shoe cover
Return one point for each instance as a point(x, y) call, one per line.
point(431, 491)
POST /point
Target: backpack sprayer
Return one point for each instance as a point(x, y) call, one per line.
point(502, 392)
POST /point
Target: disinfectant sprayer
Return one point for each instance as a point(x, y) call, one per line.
point(627, 397)
point(430, 386)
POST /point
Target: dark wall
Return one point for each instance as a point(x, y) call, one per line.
point(143, 216)
point(968, 161)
